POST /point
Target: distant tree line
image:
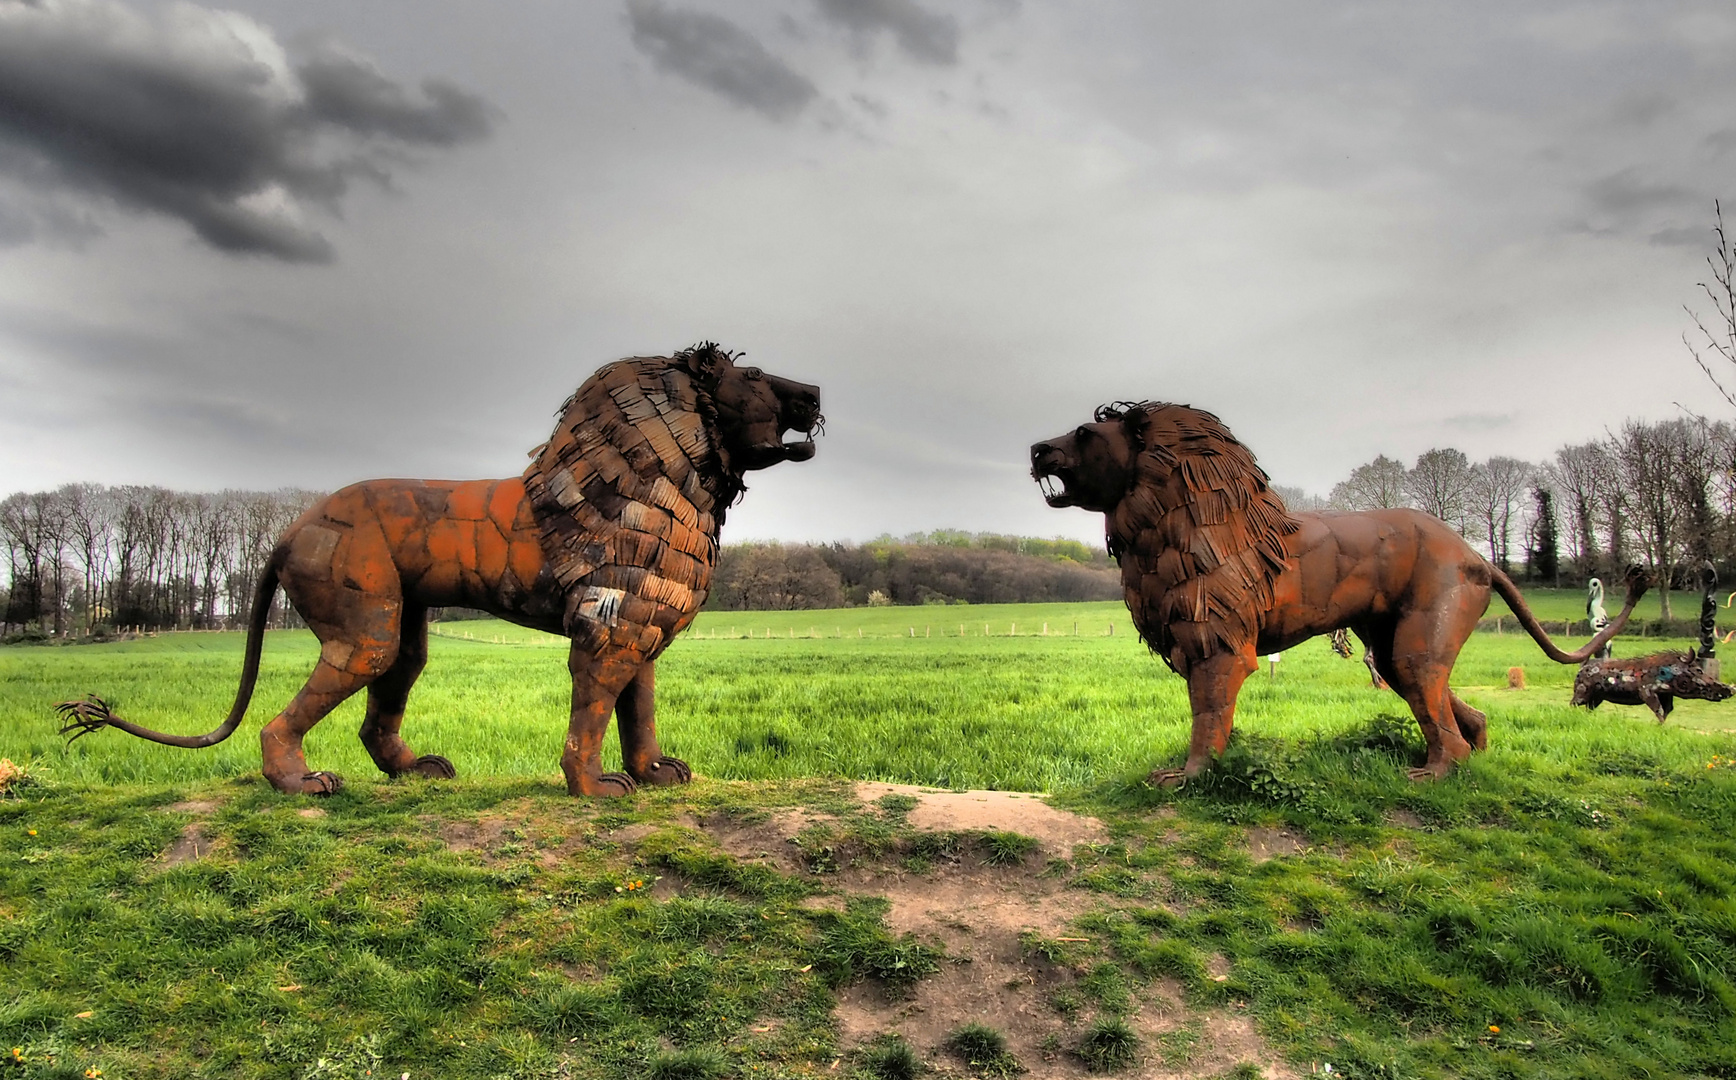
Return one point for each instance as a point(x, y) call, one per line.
point(1663, 494)
point(84, 556)
point(945, 567)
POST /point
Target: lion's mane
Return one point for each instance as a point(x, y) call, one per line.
point(1200, 534)
point(629, 494)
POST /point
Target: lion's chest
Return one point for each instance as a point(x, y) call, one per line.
point(622, 507)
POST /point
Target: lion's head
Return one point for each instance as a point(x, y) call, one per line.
point(753, 410)
point(1198, 531)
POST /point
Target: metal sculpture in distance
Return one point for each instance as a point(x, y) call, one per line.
point(1596, 617)
point(609, 538)
point(1658, 679)
point(1216, 571)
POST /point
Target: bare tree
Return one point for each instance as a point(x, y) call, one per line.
point(1441, 485)
point(1299, 500)
point(1717, 343)
point(1583, 476)
point(21, 526)
point(1378, 485)
point(89, 517)
point(1498, 492)
point(1649, 456)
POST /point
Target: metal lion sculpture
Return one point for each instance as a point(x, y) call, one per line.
point(1217, 571)
point(609, 538)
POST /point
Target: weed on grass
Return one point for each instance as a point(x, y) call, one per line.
point(888, 1057)
point(983, 1050)
point(1007, 848)
point(855, 943)
point(1108, 1045)
point(702, 1063)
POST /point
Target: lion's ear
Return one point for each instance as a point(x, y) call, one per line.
point(705, 361)
point(1133, 420)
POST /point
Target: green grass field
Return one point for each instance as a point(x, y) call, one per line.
point(1573, 886)
point(744, 699)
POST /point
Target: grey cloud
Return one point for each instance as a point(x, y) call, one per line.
point(923, 35)
point(200, 115)
point(350, 92)
point(1628, 202)
point(710, 51)
point(1721, 142)
point(1700, 236)
point(1479, 421)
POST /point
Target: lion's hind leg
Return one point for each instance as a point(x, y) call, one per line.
point(387, 696)
point(343, 669)
point(342, 580)
point(1418, 662)
point(1473, 724)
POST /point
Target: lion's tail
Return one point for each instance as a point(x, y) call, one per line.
point(1637, 583)
point(91, 713)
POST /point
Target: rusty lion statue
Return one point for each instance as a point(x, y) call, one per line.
point(1217, 571)
point(609, 538)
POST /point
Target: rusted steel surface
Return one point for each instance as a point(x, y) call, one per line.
point(1216, 571)
point(609, 538)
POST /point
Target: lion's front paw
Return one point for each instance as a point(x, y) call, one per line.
point(666, 770)
point(609, 785)
point(321, 783)
point(433, 766)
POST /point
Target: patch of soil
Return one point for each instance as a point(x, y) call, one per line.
point(191, 844)
point(770, 840)
point(1266, 842)
point(1004, 811)
point(311, 812)
point(1403, 818)
point(193, 806)
point(483, 835)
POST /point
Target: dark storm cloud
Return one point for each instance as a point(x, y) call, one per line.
point(713, 52)
point(923, 35)
point(199, 115)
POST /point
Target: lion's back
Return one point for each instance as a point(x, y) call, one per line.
point(435, 542)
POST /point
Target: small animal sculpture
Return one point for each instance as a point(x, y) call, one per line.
point(609, 538)
point(1655, 681)
point(1216, 571)
point(1341, 645)
point(1595, 615)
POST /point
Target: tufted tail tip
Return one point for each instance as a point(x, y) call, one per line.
point(81, 716)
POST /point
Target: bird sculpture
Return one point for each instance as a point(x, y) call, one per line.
point(1595, 613)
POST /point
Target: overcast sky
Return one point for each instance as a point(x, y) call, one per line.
point(308, 243)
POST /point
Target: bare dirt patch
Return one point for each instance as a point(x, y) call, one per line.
point(483, 835)
point(311, 812)
point(193, 806)
point(1266, 842)
point(980, 913)
point(1403, 818)
point(191, 844)
point(770, 840)
point(1002, 811)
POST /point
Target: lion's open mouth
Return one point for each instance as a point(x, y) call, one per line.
point(1054, 488)
point(802, 449)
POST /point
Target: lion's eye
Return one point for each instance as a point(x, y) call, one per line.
point(752, 373)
